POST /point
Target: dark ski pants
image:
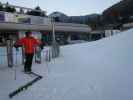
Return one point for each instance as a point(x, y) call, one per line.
point(28, 62)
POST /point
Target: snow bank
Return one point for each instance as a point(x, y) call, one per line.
point(105, 64)
point(100, 70)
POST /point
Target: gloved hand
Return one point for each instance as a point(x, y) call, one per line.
point(17, 49)
point(41, 46)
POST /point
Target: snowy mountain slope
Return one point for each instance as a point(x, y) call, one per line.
point(100, 70)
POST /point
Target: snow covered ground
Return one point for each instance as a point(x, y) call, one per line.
point(100, 70)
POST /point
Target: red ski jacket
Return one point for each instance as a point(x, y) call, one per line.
point(29, 44)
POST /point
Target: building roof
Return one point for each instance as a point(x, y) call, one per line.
point(60, 27)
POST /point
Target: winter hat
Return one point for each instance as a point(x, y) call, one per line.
point(28, 33)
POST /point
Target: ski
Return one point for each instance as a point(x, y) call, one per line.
point(26, 86)
point(33, 74)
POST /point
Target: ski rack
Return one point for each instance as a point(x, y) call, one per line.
point(25, 87)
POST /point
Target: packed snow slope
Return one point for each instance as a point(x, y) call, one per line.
point(100, 70)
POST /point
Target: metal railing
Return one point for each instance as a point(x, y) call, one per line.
point(18, 59)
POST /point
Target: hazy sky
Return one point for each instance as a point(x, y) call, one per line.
point(69, 7)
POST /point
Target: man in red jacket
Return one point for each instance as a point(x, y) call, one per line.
point(28, 43)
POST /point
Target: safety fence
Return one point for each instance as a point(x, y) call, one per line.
point(17, 56)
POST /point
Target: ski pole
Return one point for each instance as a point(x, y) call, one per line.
point(15, 66)
point(46, 59)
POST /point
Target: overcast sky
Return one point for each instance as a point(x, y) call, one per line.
point(69, 7)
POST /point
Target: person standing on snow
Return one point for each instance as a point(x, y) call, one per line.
point(28, 43)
